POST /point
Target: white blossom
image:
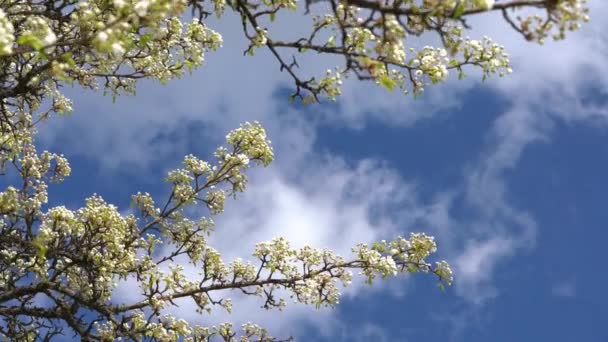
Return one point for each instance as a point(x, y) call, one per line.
point(7, 37)
point(485, 4)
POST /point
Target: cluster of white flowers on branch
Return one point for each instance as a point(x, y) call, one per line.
point(115, 43)
point(76, 258)
point(373, 38)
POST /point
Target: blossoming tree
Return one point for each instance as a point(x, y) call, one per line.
point(59, 267)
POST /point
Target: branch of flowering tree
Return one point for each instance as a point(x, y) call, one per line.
point(74, 260)
point(43, 44)
point(415, 10)
point(313, 286)
point(287, 283)
point(371, 35)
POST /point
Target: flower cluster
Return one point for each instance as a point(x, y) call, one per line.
point(490, 56)
point(251, 139)
point(330, 85)
point(9, 201)
point(374, 39)
point(215, 201)
point(446, 6)
point(432, 62)
point(321, 270)
point(358, 39)
point(443, 270)
point(248, 143)
point(145, 204)
point(196, 166)
point(119, 41)
point(37, 28)
point(484, 4)
point(260, 38)
point(562, 16)
point(7, 38)
point(84, 253)
point(183, 191)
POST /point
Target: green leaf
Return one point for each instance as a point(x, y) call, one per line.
point(453, 50)
point(331, 41)
point(145, 38)
point(67, 57)
point(387, 82)
point(461, 73)
point(40, 248)
point(272, 16)
point(30, 40)
point(459, 10)
point(189, 65)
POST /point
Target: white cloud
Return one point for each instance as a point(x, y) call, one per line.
point(367, 331)
point(319, 210)
point(549, 84)
point(564, 289)
point(475, 267)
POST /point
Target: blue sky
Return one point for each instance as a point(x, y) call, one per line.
point(552, 292)
point(509, 175)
